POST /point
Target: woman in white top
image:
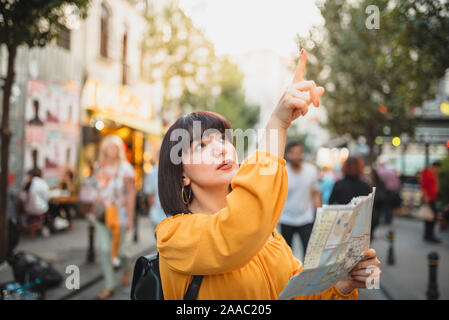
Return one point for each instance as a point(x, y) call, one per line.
point(37, 194)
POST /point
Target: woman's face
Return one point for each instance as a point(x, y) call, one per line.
point(112, 151)
point(212, 162)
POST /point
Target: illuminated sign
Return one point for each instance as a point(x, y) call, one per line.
point(116, 100)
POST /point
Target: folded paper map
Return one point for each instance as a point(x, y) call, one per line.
point(340, 235)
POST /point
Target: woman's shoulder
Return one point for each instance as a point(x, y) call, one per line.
point(173, 220)
point(127, 169)
point(340, 183)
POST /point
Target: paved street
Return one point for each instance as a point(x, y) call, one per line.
point(407, 279)
point(70, 248)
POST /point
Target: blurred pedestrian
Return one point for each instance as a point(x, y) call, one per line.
point(35, 196)
point(393, 186)
point(303, 196)
point(379, 200)
point(156, 212)
point(67, 184)
point(327, 182)
point(351, 185)
point(116, 192)
point(429, 188)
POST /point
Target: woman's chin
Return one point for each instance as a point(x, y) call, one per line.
point(225, 177)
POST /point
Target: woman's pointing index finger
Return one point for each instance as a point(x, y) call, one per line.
point(301, 68)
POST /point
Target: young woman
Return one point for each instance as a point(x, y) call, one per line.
point(114, 178)
point(351, 185)
point(222, 217)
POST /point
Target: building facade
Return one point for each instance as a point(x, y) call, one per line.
point(90, 75)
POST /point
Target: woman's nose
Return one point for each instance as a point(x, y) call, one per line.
point(218, 148)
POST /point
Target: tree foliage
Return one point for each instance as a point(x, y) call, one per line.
point(178, 55)
point(32, 23)
point(36, 22)
point(374, 76)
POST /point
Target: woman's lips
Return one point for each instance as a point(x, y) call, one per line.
point(225, 166)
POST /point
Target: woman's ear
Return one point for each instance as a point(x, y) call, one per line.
point(185, 180)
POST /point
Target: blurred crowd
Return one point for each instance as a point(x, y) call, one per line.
point(310, 186)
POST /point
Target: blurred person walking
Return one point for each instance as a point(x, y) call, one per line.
point(66, 184)
point(303, 196)
point(327, 182)
point(429, 188)
point(156, 213)
point(393, 187)
point(116, 193)
point(351, 185)
point(379, 199)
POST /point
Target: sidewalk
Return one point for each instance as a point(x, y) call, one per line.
point(408, 277)
point(70, 248)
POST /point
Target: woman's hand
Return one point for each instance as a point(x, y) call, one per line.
point(367, 269)
point(297, 97)
point(294, 102)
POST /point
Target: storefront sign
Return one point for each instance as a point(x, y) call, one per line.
point(117, 100)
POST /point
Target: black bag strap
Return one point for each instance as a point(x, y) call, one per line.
point(194, 286)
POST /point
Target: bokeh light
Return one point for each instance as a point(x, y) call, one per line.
point(396, 141)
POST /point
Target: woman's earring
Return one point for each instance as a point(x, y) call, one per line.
point(189, 198)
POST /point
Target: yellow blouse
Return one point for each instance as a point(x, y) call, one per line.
point(238, 250)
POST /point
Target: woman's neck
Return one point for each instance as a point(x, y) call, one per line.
point(209, 200)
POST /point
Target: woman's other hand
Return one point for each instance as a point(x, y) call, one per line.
point(366, 272)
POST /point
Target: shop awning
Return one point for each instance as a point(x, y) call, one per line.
point(122, 105)
point(153, 127)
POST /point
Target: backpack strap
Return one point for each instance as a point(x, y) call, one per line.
point(194, 288)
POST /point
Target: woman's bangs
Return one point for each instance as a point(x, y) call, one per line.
point(199, 122)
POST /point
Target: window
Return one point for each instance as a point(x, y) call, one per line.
point(104, 30)
point(63, 39)
point(125, 66)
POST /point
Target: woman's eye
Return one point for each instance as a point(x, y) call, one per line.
point(199, 146)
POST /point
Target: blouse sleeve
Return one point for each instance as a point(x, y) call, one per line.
point(210, 244)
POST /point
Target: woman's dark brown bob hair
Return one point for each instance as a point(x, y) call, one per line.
point(170, 174)
point(352, 168)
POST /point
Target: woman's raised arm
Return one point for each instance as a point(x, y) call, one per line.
point(294, 102)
